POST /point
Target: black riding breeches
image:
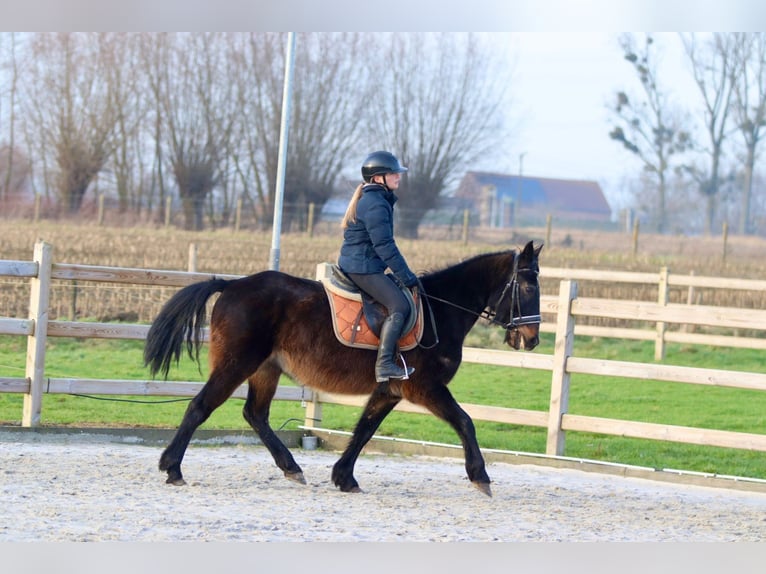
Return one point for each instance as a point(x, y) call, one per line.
point(384, 290)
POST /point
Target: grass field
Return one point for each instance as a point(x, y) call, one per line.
point(671, 403)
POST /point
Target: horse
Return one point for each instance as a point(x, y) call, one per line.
point(271, 323)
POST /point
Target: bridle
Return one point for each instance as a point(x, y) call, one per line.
point(516, 319)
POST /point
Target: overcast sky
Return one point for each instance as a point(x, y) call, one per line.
point(562, 85)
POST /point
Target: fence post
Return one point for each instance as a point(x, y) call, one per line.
point(192, 265)
point(689, 301)
point(36, 216)
point(725, 240)
point(548, 225)
point(38, 313)
point(310, 223)
point(466, 221)
point(100, 209)
point(168, 205)
point(313, 414)
point(562, 350)
point(238, 216)
point(662, 299)
point(635, 237)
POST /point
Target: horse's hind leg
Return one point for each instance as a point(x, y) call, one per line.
point(218, 388)
point(379, 405)
point(261, 390)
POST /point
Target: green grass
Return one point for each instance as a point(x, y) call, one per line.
point(651, 401)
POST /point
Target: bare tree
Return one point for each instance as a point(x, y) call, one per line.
point(154, 59)
point(750, 110)
point(714, 67)
point(438, 107)
point(328, 103)
point(7, 168)
point(258, 93)
point(648, 126)
point(331, 101)
point(70, 105)
point(123, 77)
point(196, 110)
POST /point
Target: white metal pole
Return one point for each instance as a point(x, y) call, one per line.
point(282, 160)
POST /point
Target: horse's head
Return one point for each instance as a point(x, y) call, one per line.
point(518, 306)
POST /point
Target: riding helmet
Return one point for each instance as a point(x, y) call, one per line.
point(380, 162)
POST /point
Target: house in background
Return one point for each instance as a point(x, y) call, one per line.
point(508, 200)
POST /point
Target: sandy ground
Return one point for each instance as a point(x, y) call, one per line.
point(114, 492)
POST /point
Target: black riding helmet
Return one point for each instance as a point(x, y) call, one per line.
point(380, 162)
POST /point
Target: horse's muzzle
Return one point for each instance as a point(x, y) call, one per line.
point(525, 337)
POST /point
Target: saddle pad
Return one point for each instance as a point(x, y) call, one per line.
point(351, 327)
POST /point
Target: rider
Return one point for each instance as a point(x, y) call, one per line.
point(369, 248)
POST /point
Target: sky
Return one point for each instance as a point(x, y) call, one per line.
point(563, 83)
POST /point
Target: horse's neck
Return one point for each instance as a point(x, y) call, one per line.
point(470, 284)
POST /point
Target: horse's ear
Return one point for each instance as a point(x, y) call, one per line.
point(529, 250)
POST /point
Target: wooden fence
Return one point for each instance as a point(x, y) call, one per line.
point(727, 318)
point(562, 363)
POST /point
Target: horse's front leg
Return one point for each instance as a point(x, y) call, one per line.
point(439, 400)
point(380, 403)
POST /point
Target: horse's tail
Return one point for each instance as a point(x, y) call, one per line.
point(181, 319)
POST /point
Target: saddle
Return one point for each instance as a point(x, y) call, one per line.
point(357, 318)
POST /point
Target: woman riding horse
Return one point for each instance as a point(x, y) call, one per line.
point(369, 249)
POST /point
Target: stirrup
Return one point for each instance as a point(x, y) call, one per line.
point(406, 372)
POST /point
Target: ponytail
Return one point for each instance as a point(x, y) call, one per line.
point(350, 216)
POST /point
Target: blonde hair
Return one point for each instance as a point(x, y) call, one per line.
point(350, 216)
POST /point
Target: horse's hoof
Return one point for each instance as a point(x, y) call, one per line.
point(296, 476)
point(484, 488)
point(353, 489)
point(176, 481)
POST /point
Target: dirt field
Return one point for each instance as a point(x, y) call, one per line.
point(82, 490)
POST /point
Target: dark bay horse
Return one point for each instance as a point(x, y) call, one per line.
point(272, 323)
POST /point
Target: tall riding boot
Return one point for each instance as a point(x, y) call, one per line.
point(385, 367)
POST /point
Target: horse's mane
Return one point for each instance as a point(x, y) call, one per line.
point(474, 262)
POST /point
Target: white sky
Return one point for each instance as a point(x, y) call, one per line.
point(562, 85)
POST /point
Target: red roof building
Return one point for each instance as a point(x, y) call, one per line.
point(508, 200)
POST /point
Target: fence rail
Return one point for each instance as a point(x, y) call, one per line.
point(562, 363)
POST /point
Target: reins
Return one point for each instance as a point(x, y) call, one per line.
point(491, 316)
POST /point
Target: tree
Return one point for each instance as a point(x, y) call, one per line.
point(71, 108)
point(648, 126)
point(330, 94)
point(438, 106)
point(714, 68)
point(749, 109)
point(331, 100)
point(196, 108)
point(7, 168)
point(153, 58)
point(124, 79)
